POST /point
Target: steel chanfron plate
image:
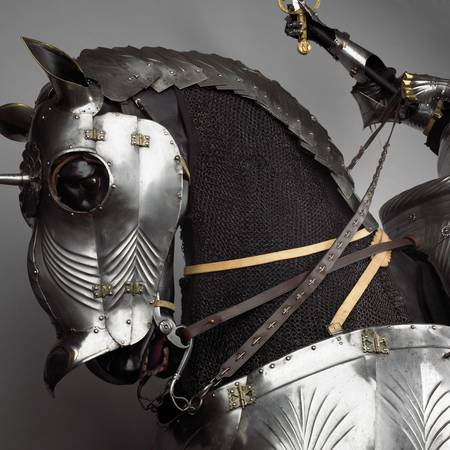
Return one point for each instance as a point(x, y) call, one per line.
point(387, 388)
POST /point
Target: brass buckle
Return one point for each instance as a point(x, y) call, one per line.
point(372, 342)
point(241, 396)
point(94, 135)
point(140, 140)
point(134, 287)
point(102, 290)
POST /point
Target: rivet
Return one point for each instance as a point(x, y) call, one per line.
point(48, 163)
point(237, 383)
point(130, 78)
point(177, 158)
point(234, 404)
point(198, 70)
point(413, 327)
point(231, 391)
point(100, 208)
point(446, 231)
point(313, 347)
point(109, 163)
point(128, 322)
point(95, 330)
point(152, 301)
point(172, 72)
point(212, 322)
point(288, 358)
point(70, 146)
point(43, 117)
point(72, 214)
point(36, 271)
point(114, 186)
point(76, 116)
point(272, 366)
point(122, 342)
point(339, 338)
point(180, 195)
point(341, 343)
point(213, 395)
point(166, 132)
point(101, 318)
point(220, 75)
point(434, 327)
point(313, 118)
point(136, 75)
point(261, 370)
point(172, 142)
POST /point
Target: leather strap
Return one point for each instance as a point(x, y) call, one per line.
point(275, 292)
point(320, 271)
point(380, 260)
point(268, 257)
point(165, 304)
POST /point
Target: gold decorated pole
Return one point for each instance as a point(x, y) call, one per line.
point(295, 8)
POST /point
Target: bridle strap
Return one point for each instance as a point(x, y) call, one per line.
point(212, 321)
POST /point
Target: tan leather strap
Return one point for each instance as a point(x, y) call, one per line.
point(165, 304)
point(268, 257)
point(212, 321)
point(380, 260)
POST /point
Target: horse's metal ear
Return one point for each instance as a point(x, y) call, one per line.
point(73, 90)
point(15, 121)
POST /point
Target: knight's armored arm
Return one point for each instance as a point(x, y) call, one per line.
point(425, 96)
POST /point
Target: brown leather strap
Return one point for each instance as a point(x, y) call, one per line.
point(275, 292)
point(320, 271)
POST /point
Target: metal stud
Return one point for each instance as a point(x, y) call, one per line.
point(272, 366)
point(446, 231)
point(128, 322)
point(95, 330)
point(256, 340)
point(313, 347)
point(288, 358)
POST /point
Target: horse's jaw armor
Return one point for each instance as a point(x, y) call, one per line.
point(97, 272)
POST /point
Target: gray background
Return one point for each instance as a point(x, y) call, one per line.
point(87, 413)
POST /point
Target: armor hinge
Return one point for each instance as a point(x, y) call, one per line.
point(102, 290)
point(241, 396)
point(140, 140)
point(134, 287)
point(94, 135)
point(372, 342)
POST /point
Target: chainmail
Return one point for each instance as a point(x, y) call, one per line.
point(254, 190)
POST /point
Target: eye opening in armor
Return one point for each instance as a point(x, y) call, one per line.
point(79, 182)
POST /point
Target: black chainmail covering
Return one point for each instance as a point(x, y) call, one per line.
point(255, 190)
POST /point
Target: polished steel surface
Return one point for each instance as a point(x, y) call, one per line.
point(424, 212)
point(334, 395)
point(352, 56)
point(97, 273)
